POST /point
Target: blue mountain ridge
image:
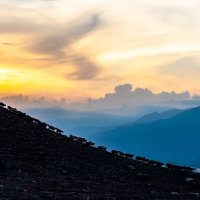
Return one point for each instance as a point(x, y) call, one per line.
point(175, 139)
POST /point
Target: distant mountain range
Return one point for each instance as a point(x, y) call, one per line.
point(87, 124)
point(91, 131)
point(83, 124)
point(171, 136)
point(158, 116)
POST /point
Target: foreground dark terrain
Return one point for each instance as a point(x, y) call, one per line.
point(38, 162)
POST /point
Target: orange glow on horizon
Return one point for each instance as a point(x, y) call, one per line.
point(61, 49)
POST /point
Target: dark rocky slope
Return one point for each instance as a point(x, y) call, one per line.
point(37, 163)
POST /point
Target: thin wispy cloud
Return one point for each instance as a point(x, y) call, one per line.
point(85, 68)
point(7, 43)
point(63, 37)
point(59, 46)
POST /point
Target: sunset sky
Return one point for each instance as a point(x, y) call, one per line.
point(83, 48)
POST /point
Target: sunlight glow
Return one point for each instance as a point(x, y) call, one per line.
point(64, 48)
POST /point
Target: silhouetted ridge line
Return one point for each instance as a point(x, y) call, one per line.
point(38, 162)
point(84, 141)
point(31, 119)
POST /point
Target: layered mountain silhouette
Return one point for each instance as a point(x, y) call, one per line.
point(79, 123)
point(91, 131)
point(91, 124)
point(175, 139)
point(38, 162)
point(155, 116)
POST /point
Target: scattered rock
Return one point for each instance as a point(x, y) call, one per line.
point(193, 194)
point(175, 194)
point(189, 180)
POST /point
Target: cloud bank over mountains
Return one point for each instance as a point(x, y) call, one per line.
point(123, 99)
point(124, 96)
point(85, 118)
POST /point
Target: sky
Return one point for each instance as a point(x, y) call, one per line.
point(83, 49)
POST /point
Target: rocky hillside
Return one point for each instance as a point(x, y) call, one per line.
point(38, 162)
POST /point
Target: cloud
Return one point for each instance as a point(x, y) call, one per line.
point(123, 89)
point(54, 43)
point(19, 2)
point(179, 17)
point(17, 100)
point(58, 45)
point(34, 0)
point(26, 17)
point(85, 69)
point(123, 101)
point(184, 67)
point(22, 21)
point(124, 97)
point(18, 25)
point(7, 43)
point(22, 102)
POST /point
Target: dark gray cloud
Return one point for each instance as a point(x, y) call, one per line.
point(60, 38)
point(123, 89)
point(58, 45)
point(85, 69)
point(183, 67)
